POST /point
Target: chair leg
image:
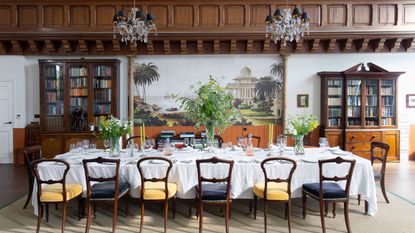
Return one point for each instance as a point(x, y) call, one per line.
point(250, 207)
point(255, 205)
point(114, 217)
point(358, 199)
point(366, 207)
point(47, 212)
point(89, 217)
point(126, 206)
point(142, 215)
point(382, 187)
point(29, 193)
point(288, 210)
point(39, 216)
point(346, 216)
point(79, 200)
point(322, 216)
point(200, 210)
point(227, 216)
point(326, 208)
point(174, 208)
point(63, 217)
point(166, 212)
point(334, 209)
point(265, 215)
point(304, 204)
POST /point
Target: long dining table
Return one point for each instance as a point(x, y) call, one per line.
point(246, 170)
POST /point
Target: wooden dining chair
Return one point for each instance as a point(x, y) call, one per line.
point(157, 189)
point(219, 139)
point(31, 154)
point(55, 191)
point(132, 138)
point(330, 192)
point(104, 189)
point(378, 175)
point(254, 138)
point(275, 190)
point(214, 191)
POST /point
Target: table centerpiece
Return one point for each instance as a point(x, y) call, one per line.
point(210, 105)
point(112, 129)
point(299, 126)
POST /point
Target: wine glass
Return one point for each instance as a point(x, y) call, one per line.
point(192, 142)
point(323, 143)
point(186, 141)
point(106, 144)
point(241, 142)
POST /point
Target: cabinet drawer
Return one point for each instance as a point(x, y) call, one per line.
point(363, 136)
point(358, 146)
point(363, 154)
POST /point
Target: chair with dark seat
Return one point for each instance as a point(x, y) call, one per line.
point(219, 139)
point(275, 189)
point(214, 191)
point(31, 154)
point(330, 192)
point(104, 189)
point(379, 175)
point(55, 191)
point(156, 189)
point(254, 138)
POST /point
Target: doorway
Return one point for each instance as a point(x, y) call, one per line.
point(6, 122)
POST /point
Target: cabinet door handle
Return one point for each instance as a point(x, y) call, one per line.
point(353, 137)
point(353, 147)
point(373, 137)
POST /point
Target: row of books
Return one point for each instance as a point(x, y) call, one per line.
point(53, 84)
point(102, 83)
point(334, 91)
point(334, 82)
point(78, 92)
point(53, 96)
point(354, 122)
point(371, 122)
point(102, 108)
point(54, 122)
point(371, 90)
point(387, 100)
point(79, 101)
point(102, 71)
point(387, 112)
point(353, 112)
point(78, 71)
point(334, 122)
point(54, 70)
point(388, 121)
point(78, 82)
point(371, 111)
point(355, 90)
point(354, 101)
point(335, 112)
point(372, 100)
point(103, 95)
point(334, 101)
point(55, 109)
point(387, 90)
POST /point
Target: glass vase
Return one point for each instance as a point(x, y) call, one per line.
point(114, 147)
point(299, 144)
point(210, 136)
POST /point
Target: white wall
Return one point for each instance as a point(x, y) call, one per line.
point(302, 79)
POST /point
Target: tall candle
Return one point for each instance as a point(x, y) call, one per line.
point(272, 132)
point(144, 132)
point(269, 133)
point(141, 135)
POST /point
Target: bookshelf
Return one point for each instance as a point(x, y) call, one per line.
point(367, 112)
point(73, 95)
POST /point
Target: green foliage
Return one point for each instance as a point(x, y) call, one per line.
point(112, 127)
point(210, 105)
point(301, 124)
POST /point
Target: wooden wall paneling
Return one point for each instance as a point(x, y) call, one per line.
point(314, 12)
point(362, 14)
point(51, 146)
point(387, 14)
point(392, 139)
point(162, 15)
point(209, 16)
point(234, 15)
point(336, 15)
point(183, 15)
point(257, 14)
point(102, 15)
point(27, 16)
point(18, 144)
point(5, 17)
point(80, 16)
point(54, 16)
point(411, 143)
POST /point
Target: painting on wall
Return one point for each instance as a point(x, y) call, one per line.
point(255, 82)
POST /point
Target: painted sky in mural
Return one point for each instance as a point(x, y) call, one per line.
point(254, 81)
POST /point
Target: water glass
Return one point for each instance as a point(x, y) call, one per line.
point(192, 142)
point(72, 147)
point(93, 146)
point(186, 141)
point(106, 144)
point(323, 143)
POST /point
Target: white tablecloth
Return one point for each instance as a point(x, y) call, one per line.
point(246, 171)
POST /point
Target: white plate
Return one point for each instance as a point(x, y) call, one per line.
point(186, 161)
point(340, 152)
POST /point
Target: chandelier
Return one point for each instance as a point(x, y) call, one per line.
point(286, 26)
point(134, 27)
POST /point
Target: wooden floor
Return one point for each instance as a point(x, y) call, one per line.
point(400, 181)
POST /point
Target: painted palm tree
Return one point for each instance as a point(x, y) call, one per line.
point(144, 75)
point(277, 70)
point(266, 87)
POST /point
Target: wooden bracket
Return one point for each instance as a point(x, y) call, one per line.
point(33, 46)
point(216, 46)
point(49, 46)
point(183, 46)
point(200, 46)
point(83, 47)
point(232, 48)
point(167, 49)
point(100, 46)
point(249, 46)
point(66, 46)
point(17, 47)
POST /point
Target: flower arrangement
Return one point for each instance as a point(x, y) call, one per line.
point(210, 105)
point(112, 129)
point(301, 124)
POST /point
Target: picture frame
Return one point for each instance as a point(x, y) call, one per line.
point(302, 101)
point(410, 100)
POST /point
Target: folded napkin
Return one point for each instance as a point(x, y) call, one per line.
point(237, 148)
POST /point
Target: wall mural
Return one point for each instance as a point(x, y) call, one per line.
point(255, 82)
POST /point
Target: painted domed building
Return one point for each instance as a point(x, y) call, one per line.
point(243, 87)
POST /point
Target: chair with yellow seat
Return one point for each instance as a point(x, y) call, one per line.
point(156, 189)
point(275, 189)
point(54, 191)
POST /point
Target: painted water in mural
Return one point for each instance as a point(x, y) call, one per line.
point(257, 90)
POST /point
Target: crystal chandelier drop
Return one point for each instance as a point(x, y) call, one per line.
point(135, 27)
point(287, 26)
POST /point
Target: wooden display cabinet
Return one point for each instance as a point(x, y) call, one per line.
point(359, 105)
point(74, 94)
